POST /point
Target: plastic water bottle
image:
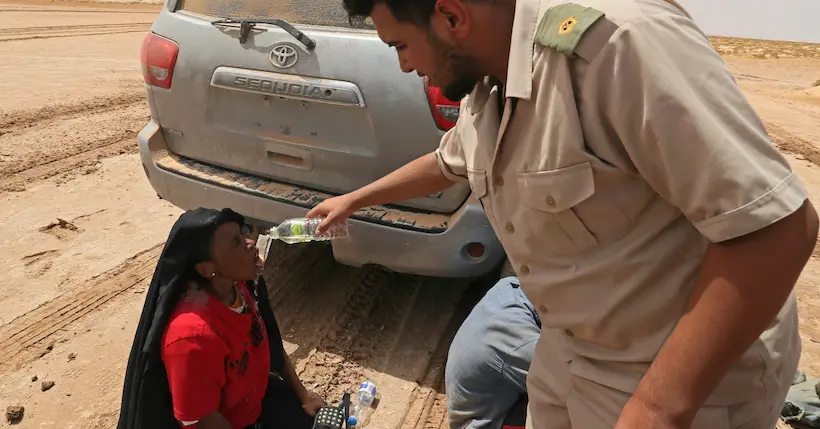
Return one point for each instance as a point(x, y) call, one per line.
point(300, 230)
point(364, 399)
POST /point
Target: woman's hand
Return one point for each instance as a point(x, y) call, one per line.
point(312, 402)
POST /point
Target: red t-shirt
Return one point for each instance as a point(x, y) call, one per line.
point(216, 359)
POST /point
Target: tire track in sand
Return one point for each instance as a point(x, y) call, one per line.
point(51, 28)
point(30, 33)
point(82, 10)
point(32, 335)
point(83, 161)
point(427, 407)
point(296, 269)
point(790, 143)
point(322, 307)
point(353, 324)
point(360, 333)
point(72, 141)
point(19, 120)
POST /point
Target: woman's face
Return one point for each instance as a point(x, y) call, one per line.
point(235, 255)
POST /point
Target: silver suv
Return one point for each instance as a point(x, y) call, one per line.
point(271, 106)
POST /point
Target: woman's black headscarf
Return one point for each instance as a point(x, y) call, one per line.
point(146, 397)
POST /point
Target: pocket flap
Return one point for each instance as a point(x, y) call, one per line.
point(554, 191)
point(478, 182)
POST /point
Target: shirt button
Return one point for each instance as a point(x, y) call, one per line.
point(510, 227)
point(525, 269)
point(542, 309)
point(551, 201)
point(499, 181)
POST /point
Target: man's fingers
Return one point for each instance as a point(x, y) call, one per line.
point(326, 222)
point(314, 212)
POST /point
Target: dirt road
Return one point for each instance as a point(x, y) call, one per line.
point(83, 229)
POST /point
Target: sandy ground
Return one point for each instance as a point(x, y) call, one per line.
point(83, 230)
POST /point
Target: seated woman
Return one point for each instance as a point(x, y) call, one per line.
point(208, 353)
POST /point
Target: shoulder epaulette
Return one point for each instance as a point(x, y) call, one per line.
point(563, 26)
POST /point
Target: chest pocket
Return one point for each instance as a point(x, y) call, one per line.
point(550, 199)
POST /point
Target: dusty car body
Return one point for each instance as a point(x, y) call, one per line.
point(271, 107)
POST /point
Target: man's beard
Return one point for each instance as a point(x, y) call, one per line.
point(461, 68)
point(459, 87)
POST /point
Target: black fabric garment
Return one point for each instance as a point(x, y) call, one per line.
point(517, 416)
point(146, 397)
point(281, 408)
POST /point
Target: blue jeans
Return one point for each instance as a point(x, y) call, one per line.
point(490, 357)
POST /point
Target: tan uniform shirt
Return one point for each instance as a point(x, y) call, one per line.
point(606, 176)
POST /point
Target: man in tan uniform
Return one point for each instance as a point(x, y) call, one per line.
point(652, 223)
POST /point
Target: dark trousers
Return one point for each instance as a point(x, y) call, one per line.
point(517, 417)
point(281, 408)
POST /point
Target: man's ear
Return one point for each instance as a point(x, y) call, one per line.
point(206, 269)
point(455, 16)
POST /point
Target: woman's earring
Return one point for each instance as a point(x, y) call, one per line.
point(213, 274)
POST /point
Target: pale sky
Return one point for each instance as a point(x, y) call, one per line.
point(797, 20)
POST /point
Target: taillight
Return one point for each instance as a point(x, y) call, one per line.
point(158, 56)
point(476, 250)
point(445, 112)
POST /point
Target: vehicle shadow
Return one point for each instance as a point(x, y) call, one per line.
point(351, 324)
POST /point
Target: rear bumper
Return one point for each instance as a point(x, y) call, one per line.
point(404, 241)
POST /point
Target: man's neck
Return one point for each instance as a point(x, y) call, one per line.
point(495, 56)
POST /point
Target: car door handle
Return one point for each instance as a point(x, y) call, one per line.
point(289, 156)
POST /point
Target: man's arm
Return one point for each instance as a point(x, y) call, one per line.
point(691, 134)
point(741, 286)
point(420, 177)
point(417, 178)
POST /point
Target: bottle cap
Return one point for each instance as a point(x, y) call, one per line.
point(352, 421)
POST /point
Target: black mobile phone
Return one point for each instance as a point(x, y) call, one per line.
point(330, 417)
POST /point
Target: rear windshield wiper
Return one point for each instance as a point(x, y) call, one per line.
point(246, 24)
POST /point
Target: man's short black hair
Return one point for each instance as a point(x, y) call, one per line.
point(413, 11)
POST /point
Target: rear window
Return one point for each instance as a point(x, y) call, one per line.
point(308, 12)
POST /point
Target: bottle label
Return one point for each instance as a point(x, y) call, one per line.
point(368, 386)
point(296, 228)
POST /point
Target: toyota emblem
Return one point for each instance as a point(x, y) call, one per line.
point(284, 56)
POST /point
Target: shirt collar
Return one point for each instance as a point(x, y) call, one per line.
point(519, 67)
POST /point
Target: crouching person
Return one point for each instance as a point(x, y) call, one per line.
point(489, 360)
point(208, 353)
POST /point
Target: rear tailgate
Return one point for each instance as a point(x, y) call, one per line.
point(333, 119)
